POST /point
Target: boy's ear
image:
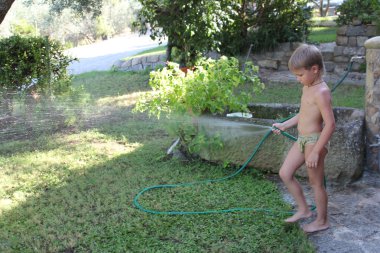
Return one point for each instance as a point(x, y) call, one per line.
point(315, 69)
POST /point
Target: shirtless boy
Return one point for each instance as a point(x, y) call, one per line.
point(315, 123)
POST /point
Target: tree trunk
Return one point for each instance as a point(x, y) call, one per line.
point(169, 50)
point(327, 8)
point(5, 5)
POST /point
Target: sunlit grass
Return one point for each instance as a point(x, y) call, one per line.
point(153, 51)
point(322, 34)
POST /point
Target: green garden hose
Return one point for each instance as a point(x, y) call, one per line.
point(266, 210)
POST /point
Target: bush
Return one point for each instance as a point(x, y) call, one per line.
point(213, 87)
point(33, 64)
point(265, 24)
point(367, 11)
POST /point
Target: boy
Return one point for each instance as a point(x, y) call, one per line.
point(315, 123)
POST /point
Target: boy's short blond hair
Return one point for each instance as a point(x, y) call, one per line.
point(306, 56)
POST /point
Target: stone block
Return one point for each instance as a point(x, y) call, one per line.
point(258, 57)
point(272, 64)
point(126, 64)
point(342, 30)
point(341, 59)
point(136, 67)
point(341, 40)
point(352, 42)
point(361, 40)
point(153, 58)
point(328, 56)
point(136, 61)
point(338, 50)
point(371, 31)
point(359, 30)
point(361, 51)
point(329, 66)
point(278, 55)
point(350, 51)
point(343, 164)
point(284, 47)
point(283, 67)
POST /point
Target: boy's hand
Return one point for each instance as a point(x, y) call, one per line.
point(312, 160)
point(276, 127)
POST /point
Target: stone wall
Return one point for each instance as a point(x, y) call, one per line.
point(141, 63)
point(349, 42)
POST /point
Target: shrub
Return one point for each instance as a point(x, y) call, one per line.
point(213, 87)
point(265, 24)
point(367, 11)
point(31, 65)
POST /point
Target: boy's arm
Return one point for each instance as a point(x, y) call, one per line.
point(287, 124)
point(323, 101)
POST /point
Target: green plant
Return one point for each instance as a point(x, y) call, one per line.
point(211, 88)
point(32, 65)
point(366, 11)
point(35, 61)
point(192, 27)
point(265, 24)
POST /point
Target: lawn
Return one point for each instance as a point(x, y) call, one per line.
point(344, 95)
point(72, 190)
point(322, 34)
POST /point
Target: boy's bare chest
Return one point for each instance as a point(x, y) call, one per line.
point(307, 99)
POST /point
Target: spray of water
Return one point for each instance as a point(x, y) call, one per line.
point(29, 116)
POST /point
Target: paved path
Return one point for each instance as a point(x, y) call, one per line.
point(354, 213)
point(102, 55)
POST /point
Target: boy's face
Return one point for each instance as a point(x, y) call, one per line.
point(307, 76)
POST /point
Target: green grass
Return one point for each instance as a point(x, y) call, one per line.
point(344, 95)
point(320, 19)
point(152, 51)
point(322, 34)
point(72, 191)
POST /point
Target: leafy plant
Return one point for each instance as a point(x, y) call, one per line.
point(264, 24)
point(212, 87)
point(192, 27)
point(366, 11)
point(32, 65)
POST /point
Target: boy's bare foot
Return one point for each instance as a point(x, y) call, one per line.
point(298, 216)
point(315, 226)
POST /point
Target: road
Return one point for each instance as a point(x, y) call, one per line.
point(102, 55)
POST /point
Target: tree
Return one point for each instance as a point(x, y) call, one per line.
point(323, 10)
point(192, 27)
point(5, 5)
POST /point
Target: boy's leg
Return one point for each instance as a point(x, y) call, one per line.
point(292, 162)
point(316, 179)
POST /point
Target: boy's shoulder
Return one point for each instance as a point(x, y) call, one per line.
point(323, 94)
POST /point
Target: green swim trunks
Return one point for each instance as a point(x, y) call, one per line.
point(304, 140)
